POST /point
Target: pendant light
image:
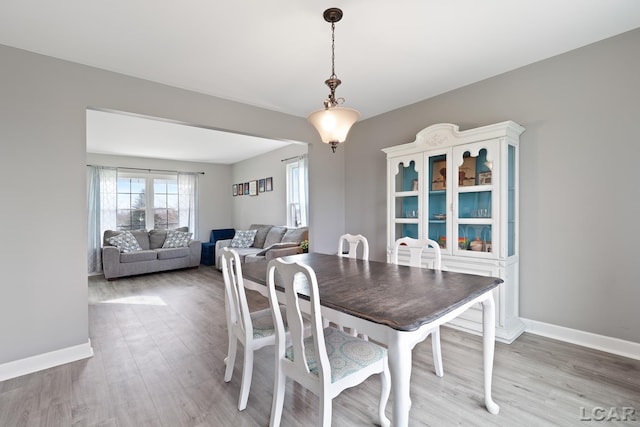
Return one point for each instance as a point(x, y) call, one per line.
point(333, 122)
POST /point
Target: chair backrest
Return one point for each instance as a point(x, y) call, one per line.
point(416, 247)
point(353, 241)
point(294, 277)
point(238, 315)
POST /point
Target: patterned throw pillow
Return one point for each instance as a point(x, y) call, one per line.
point(125, 242)
point(176, 239)
point(243, 238)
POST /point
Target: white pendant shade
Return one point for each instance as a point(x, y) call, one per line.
point(333, 124)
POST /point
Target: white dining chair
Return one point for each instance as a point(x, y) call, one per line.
point(328, 361)
point(253, 330)
point(416, 248)
point(353, 241)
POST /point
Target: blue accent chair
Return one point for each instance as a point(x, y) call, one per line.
point(208, 254)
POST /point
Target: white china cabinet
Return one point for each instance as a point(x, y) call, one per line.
point(461, 190)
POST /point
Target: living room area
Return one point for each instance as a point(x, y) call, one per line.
point(218, 204)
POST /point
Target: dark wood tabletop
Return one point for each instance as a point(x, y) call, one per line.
point(403, 298)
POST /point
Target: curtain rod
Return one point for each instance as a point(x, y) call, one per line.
point(148, 170)
point(302, 156)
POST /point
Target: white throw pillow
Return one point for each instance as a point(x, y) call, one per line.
point(243, 238)
point(176, 239)
point(125, 242)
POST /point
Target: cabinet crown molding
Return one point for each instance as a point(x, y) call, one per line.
point(447, 134)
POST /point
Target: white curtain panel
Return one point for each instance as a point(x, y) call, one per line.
point(101, 208)
point(303, 189)
point(188, 201)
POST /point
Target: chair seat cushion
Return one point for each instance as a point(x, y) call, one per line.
point(137, 256)
point(347, 354)
point(170, 253)
point(262, 321)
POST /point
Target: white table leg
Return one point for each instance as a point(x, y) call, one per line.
point(400, 368)
point(488, 344)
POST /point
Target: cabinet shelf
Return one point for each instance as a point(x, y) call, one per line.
point(405, 193)
point(474, 188)
point(475, 221)
point(406, 220)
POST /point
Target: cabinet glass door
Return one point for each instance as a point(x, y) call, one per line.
point(406, 200)
point(511, 200)
point(437, 199)
point(475, 202)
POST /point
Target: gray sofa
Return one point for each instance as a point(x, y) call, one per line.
point(152, 258)
point(271, 241)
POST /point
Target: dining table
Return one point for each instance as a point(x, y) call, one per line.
point(395, 305)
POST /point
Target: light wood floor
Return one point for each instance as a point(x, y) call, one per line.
point(160, 341)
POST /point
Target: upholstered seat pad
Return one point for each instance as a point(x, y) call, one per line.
point(243, 252)
point(170, 253)
point(137, 256)
point(347, 354)
point(262, 321)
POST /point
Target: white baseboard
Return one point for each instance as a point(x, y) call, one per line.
point(586, 339)
point(48, 360)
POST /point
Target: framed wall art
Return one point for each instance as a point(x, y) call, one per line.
point(467, 172)
point(268, 184)
point(484, 178)
point(253, 188)
point(439, 175)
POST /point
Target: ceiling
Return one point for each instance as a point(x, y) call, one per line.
point(276, 54)
point(132, 135)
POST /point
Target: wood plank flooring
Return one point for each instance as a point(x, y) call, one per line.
point(160, 341)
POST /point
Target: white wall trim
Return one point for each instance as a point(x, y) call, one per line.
point(586, 339)
point(42, 361)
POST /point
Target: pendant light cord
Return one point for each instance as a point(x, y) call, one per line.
point(333, 51)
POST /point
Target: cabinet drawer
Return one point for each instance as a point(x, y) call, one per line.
point(488, 268)
point(474, 313)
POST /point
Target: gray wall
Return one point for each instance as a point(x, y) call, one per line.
point(215, 211)
point(268, 207)
point(579, 195)
point(43, 284)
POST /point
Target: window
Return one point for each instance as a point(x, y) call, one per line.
point(147, 201)
point(165, 203)
point(293, 195)
point(131, 203)
point(128, 200)
point(297, 193)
